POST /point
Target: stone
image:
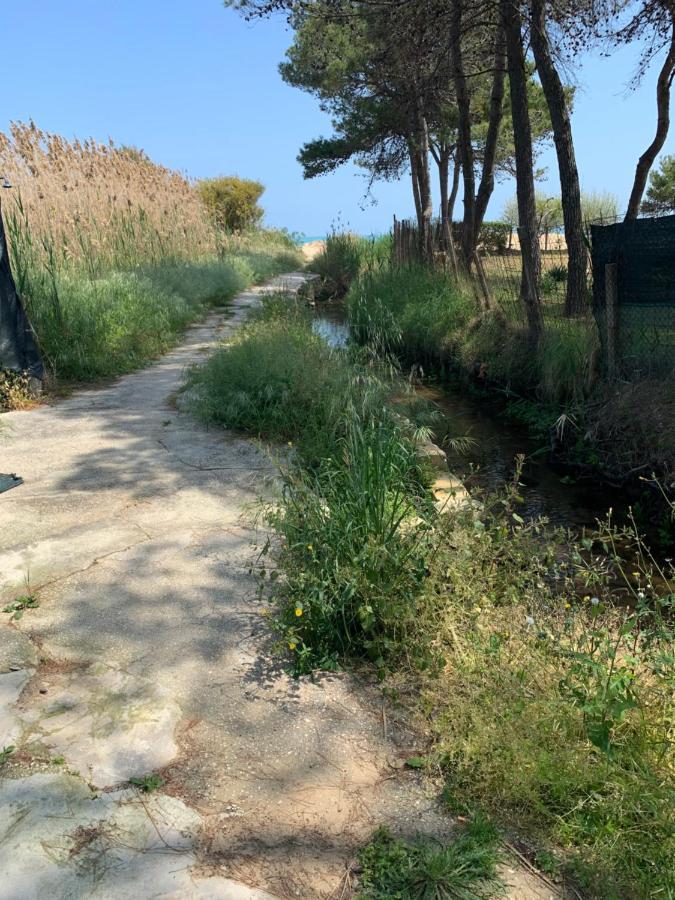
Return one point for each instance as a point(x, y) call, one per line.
point(16, 650)
point(430, 453)
point(108, 725)
point(60, 840)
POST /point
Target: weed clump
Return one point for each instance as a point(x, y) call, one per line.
point(344, 257)
point(463, 869)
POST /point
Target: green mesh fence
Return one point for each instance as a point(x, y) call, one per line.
point(644, 253)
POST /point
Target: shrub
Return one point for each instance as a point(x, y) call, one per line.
point(232, 202)
point(494, 237)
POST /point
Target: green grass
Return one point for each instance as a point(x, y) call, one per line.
point(464, 869)
point(95, 326)
point(353, 561)
point(540, 669)
point(412, 311)
point(277, 380)
point(425, 318)
point(552, 711)
point(353, 482)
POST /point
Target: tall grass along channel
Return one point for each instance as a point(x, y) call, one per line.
point(538, 669)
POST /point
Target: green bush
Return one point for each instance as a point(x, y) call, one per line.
point(494, 236)
point(232, 202)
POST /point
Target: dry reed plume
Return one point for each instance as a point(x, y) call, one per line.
point(97, 204)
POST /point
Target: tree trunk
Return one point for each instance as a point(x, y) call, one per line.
point(646, 161)
point(415, 185)
point(522, 139)
point(463, 129)
point(443, 162)
point(442, 156)
point(457, 171)
point(554, 92)
point(426, 206)
point(495, 115)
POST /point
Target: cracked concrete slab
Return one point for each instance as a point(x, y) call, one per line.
point(58, 839)
point(11, 686)
point(17, 651)
point(109, 725)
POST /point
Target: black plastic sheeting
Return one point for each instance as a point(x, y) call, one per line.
point(644, 251)
point(18, 348)
point(7, 482)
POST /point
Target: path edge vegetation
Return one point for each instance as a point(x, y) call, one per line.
point(114, 255)
point(539, 669)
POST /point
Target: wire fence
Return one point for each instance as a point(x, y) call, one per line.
point(629, 310)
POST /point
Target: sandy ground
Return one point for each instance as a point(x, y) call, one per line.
point(149, 653)
point(312, 249)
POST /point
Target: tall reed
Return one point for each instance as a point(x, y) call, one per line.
point(114, 254)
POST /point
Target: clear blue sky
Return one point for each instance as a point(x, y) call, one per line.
point(198, 89)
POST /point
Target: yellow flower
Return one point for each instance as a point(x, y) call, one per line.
point(292, 645)
point(587, 598)
point(568, 605)
point(298, 611)
point(310, 547)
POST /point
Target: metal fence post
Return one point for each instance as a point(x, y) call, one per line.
point(611, 315)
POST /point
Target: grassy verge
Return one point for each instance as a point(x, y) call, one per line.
point(541, 670)
point(113, 254)
point(423, 316)
point(90, 327)
point(613, 429)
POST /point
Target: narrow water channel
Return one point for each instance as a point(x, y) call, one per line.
point(490, 460)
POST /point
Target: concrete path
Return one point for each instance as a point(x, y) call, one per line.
point(148, 654)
